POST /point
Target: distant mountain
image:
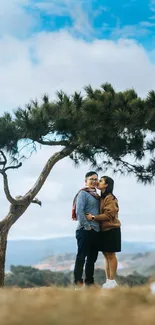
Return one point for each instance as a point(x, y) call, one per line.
point(143, 263)
point(30, 252)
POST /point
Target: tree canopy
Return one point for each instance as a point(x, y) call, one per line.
point(103, 127)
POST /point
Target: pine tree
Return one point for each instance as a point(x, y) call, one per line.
point(105, 128)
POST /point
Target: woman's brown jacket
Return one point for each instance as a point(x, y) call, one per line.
point(108, 216)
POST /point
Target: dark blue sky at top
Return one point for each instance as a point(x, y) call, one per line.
point(109, 19)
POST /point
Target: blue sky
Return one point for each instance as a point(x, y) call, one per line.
point(90, 19)
point(51, 45)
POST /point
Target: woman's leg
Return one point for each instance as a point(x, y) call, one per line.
point(112, 262)
point(106, 266)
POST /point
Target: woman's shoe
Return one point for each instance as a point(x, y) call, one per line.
point(105, 285)
point(112, 284)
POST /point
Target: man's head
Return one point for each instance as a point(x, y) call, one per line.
point(91, 179)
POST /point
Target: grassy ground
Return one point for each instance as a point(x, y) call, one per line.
point(53, 306)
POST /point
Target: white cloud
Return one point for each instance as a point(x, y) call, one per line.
point(147, 23)
point(14, 19)
point(130, 31)
point(80, 16)
point(32, 67)
point(56, 7)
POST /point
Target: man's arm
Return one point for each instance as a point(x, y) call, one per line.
point(110, 209)
point(80, 210)
point(103, 217)
point(99, 217)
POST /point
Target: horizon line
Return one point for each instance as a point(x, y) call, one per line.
point(71, 236)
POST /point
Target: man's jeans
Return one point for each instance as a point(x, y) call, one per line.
point(87, 247)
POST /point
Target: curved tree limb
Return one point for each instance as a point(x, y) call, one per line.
point(30, 195)
point(53, 143)
point(5, 179)
point(7, 191)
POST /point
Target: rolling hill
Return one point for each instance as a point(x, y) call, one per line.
point(31, 252)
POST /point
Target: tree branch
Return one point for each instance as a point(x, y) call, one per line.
point(53, 143)
point(13, 167)
point(6, 185)
point(30, 195)
point(130, 167)
point(15, 212)
point(4, 162)
point(136, 169)
point(6, 189)
point(37, 201)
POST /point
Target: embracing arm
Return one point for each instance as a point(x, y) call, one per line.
point(103, 217)
point(109, 210)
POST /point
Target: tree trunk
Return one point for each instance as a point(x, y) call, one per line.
point(3, 245)
point(14, 214)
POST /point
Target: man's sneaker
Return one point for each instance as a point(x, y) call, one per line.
point(79, 286)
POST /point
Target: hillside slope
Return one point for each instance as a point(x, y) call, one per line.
point(18, 251)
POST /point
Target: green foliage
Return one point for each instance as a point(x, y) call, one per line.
point(8, 134)
point(29, 277)
point(102, 127)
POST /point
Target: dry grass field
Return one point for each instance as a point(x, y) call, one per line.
point(57, 306)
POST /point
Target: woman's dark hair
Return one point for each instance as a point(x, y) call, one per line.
point(109, 189)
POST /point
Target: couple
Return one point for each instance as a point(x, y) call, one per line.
point(98, 229)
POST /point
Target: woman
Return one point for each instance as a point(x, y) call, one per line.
point(110, 235)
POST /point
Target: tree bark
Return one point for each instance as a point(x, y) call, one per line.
point(3, 245)
point(14, 214)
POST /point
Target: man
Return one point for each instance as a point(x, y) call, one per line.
point(87, 201)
